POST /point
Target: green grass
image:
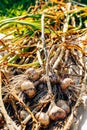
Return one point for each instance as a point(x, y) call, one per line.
point(11, 8)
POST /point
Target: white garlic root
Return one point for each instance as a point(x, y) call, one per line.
point(66, 83)
point(43, 118)
point(28, 87)
point(62, 104)
point(56, 112)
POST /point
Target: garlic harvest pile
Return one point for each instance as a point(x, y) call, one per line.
point(43, 72)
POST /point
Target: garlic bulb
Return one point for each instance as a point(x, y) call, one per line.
point(31, 92)
point(28, 87)
point(33, 74)
point(43, 118)
point(62, 104)
point(66, 83)
point(56, 112)
point(23, 114)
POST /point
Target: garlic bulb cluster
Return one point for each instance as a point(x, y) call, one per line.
point(28, 87)
point(43, 118)
point(56, 112)
point(62, 104)
point(66, 83)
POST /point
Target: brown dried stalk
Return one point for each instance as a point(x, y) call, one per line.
point(46, 55)
point(52, 61)
point(13, 94)
point(38, 54)
point(59, 58)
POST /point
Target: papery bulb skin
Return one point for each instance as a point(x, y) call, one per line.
point(62, 104)
point(43, 118)
point(33, 74)
point(23, 114)
point(66, 83)
point(28, 88)
point(56, 113)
